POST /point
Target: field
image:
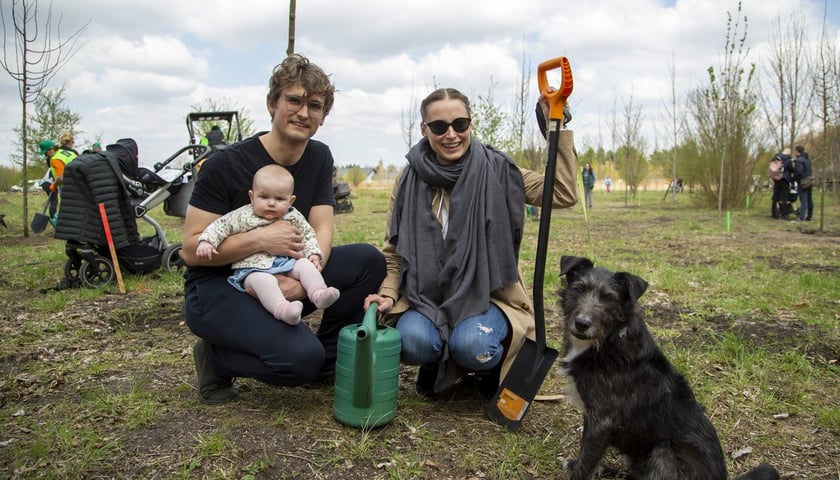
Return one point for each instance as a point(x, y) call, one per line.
point(97, 384)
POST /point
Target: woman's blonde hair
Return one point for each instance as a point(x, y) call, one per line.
point(65, 140)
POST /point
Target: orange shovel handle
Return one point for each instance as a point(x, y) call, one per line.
point(557, 98)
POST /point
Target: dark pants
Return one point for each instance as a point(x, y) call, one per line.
point(245, 340)
point(781, 206)
point(806, 204)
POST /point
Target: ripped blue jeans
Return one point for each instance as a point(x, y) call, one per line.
point(475, 344)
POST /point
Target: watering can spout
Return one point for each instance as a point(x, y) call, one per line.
point(365, 364)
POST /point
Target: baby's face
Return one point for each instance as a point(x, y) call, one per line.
point(271, 201)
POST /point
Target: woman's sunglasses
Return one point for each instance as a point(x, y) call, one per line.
point(439, 127)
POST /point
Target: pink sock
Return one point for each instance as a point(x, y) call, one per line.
point(323, 297)
point(289, 312)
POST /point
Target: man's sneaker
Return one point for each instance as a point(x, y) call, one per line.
point(212, 389)
point(325, 378)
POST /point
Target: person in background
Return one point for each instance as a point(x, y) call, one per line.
point(453, 232)
point(588, 183)
point(214, 137)
point(64, 154)
point(48, 149)
point(780, 174)
point(96, 147)
point(238, 338)
point(803, 170)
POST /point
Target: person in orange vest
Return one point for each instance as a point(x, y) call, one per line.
point(62, 156)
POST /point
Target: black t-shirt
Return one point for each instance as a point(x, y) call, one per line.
point(225, 178)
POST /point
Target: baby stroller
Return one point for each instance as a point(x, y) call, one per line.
point(343, 204)
point(127, 191)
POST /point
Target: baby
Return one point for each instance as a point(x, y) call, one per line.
point(271, 199)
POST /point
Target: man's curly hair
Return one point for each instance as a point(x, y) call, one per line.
point(298, 69)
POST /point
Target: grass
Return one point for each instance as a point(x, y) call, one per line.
point(101, 384)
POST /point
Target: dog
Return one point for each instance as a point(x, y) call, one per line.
point(632, 398)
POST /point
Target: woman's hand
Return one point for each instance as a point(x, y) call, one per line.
point(385, 303)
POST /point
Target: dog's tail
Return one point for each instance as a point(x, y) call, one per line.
point(763, 471)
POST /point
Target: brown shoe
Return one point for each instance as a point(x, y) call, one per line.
point(212, 389)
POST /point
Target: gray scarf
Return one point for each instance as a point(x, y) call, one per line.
point(451, 279)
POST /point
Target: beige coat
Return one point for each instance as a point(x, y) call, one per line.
point(513, 299)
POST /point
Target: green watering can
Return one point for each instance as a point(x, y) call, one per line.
point(367, 373)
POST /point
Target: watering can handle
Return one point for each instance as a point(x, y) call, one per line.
point(557, 98)
point(369, 322)
point(364, 370)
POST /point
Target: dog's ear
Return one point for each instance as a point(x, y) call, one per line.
point(574, 267)
point(633, 285)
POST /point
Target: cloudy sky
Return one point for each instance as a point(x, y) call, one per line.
point(145, 63)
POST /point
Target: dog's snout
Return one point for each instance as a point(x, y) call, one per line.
point(582, 323)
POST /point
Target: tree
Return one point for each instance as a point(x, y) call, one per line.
point(825, 74)
point(51, 118)
point(675, 121)
point(292, 17)
point(489, 122)
point(724, 123)
point(788, 68)
point(35, 58)
point(630, 146)
point(408, 120)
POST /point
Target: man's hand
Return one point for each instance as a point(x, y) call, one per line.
point(281, 238)
point(292, 289)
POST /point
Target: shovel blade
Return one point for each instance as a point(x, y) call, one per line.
point(520, 386)
point(39, 222)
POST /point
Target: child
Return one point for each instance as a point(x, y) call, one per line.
point(271, 199)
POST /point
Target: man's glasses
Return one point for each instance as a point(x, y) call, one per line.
point(439, 127)
point(294, 103)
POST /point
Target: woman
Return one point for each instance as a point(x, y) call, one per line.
point(454, 229)
point(588, 183)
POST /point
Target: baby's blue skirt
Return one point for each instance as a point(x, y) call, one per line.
point(280, 265)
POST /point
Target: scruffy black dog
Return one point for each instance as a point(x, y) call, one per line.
point(632, 398)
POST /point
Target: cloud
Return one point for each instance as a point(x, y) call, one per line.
point(142, 67)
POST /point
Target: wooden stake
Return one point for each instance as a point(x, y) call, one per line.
point(111, 246)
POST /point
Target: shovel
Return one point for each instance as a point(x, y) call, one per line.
point(41, 220)
point(522, 382)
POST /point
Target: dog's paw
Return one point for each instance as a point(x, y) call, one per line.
point(570, 463)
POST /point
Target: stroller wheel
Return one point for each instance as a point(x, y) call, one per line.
point(97, 273)
point(171, 259)
point(72, 267)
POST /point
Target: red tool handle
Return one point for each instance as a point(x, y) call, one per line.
point(111, 247)
point(557, 98)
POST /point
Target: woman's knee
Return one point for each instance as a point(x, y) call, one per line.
point(476, 343)
point(421, 342)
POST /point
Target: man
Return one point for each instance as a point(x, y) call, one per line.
point(214, 137)
point(803, 170)
point(238, 337)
